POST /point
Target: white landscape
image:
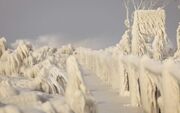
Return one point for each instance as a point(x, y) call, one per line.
point(140, 74)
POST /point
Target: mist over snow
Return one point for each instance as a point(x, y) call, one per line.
point(54, 52)
point(71, 20)
point(59, 40)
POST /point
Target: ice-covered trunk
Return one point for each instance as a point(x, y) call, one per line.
point(148, 37)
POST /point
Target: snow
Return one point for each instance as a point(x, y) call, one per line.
point(148, 33)
point(151, 83)
point(108, 101)
point(51, 80)
point(39, 80)
point(77, 95)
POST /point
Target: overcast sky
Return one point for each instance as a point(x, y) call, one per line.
point(96, 23)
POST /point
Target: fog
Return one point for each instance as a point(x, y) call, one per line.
point(71, 21)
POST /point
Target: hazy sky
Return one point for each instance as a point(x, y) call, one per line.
point(97, 23)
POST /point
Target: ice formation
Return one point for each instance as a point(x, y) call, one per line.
point(39, 81)
point(148, 33)
point(77, 95)
point(177, 54)
point(140, 65)
point(50, 80)
point(124, 46)
point(2, 45)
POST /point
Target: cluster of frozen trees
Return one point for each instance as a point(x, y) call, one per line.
point(142, 65)
point(41, 80)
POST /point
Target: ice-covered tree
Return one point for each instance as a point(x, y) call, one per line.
point(142, 5)
point(146, 40)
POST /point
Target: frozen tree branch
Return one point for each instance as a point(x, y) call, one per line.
point(141, 3)
point(134, 4)
point(127, 21)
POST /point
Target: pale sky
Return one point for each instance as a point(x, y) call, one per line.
point(96, 23)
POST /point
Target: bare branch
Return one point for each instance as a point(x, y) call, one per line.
point(134, 4)
point(155, 3)
point(140, 4)
point(165, 4)
point(150, 5)
point(127, 21)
